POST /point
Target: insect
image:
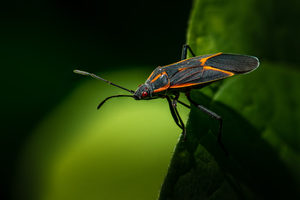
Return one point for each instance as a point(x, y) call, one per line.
point(183, 76)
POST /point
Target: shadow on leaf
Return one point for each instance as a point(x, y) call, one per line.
point(253, 169)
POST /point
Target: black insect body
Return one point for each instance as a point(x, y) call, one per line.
point(183, 76)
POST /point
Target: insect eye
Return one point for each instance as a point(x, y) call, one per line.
point(144, 94)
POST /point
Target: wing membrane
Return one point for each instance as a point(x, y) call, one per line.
point(233, 63)
point(196, 76)
point(209, 68)
point(204, 69)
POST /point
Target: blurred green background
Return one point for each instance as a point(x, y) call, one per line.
point(55, 144)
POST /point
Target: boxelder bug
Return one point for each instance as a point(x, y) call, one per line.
point(183, 76)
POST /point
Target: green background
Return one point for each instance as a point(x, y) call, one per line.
point(56, 145)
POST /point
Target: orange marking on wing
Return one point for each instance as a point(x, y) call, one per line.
point(204, 68)
point(159, 75)
point(184, 68)
point(203, 60)
point(220, 70)
point(162, 88)
point(150, 75)
point(184, 85)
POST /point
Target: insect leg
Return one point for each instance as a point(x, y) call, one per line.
point(178, 101)
point(173, 112)
point(102, 102)
point(174, 104)
point(175, 99)
point(184, 51)
point(181, 122)
point(214, 115)
point(182, 103)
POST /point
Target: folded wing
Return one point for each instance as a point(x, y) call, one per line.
point(210, 68)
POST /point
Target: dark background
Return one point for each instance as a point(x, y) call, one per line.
point(43, 41)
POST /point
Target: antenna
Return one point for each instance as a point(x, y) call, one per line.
point(102, 79)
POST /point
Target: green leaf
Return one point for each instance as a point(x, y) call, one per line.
point(260, 112)
point(262, 28)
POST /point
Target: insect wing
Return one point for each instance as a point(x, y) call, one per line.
point(232, 63)
point(174, 68)
point(212, 68)
point(198, 75)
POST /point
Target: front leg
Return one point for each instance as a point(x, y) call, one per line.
point(175, 113)
point(175, 99)
point(174, 103)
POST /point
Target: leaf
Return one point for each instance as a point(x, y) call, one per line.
point(262, 28)
point(260, 112)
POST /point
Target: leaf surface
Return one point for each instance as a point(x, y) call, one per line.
point(260, 112)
